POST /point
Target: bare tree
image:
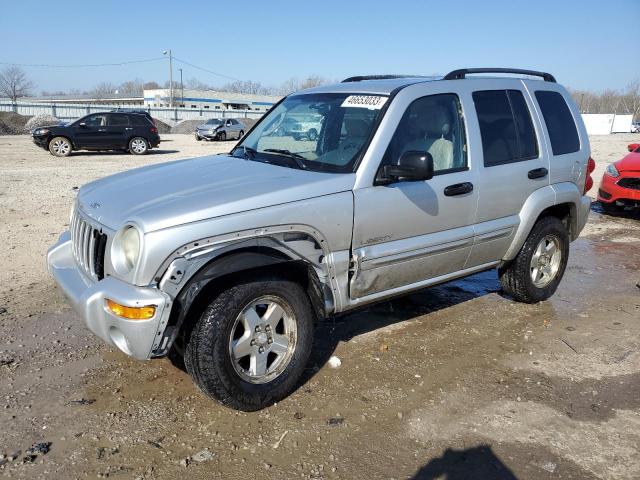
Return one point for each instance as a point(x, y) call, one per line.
point(195, 84)
point(631, 98)
point(103, 90)
point(14, 83)
point(150, 86)
point(313, 81)
point(131, 88)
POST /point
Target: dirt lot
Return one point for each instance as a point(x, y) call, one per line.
point(454, 382)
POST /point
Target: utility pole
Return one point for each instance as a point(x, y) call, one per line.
point(181, 88)
point(170, 76)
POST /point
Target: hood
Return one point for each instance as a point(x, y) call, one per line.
point(204, 126)
point(630, 163)
point(169, 194)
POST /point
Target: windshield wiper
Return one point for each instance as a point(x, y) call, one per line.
point(296, 157)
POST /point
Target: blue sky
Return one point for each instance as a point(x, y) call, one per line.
point(586, 44)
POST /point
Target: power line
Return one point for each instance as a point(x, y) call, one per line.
point(206, 70)
point(118, 64)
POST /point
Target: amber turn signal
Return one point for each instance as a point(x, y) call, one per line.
point(131, 313)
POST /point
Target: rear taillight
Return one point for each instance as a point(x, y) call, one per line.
point(591, 166)
point(154, 130)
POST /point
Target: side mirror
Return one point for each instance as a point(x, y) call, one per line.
point(412, 166)
point(633, 146)
point(83, 125)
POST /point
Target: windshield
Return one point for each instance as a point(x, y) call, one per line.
point(319, 131)
point(214, 121)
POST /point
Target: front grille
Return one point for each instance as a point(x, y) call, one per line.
point(89, 245)
point(630, 182)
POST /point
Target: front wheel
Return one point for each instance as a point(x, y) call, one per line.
point(252, 343)
point(241, 134)
point(222, 136)
point(535, 273)
point(312, 134)
point(60, 147)
point(138, 146)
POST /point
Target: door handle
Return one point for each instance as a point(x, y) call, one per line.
point(537, 173)
point(102, 129)
point(458, 189)
point(129, 128)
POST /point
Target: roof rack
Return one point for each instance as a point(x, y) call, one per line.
point(360, 78)
point(461, 73)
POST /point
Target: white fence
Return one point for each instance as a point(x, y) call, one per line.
point(606, 123)
point(168, 115)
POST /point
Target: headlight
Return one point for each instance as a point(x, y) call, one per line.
point(612, 170)
point(41, 131)
point(125, 250)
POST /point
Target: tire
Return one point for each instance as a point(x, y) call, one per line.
point(222, 136)
point(138, 146)
point(296, 137)
point(198, 138)
point(241, 134)
point(611, 208)
point(227, 376)
point(517, 277)
point(60, 147)
point(312, 134)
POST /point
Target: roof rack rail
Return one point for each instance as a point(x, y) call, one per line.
point(461, 73)
point(360, 78)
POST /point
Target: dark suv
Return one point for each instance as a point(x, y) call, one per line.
point(132, 132)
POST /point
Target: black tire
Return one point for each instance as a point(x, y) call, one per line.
point(222, 136)
point(207, 356)
point(60, 147)
point(241, 134)
point(515, 277)
point(198, 138)
point(138, 146)
point(297, 137)
point(611, 208)
point(312, 134)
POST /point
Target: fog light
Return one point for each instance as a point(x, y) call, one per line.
point(131, 313)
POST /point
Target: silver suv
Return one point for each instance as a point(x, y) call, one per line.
point(230, 259)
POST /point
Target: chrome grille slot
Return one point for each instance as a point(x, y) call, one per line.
point(88, 246)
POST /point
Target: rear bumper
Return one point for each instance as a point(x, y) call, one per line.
point(583, 214)
point(133, 337)
point(611, 192)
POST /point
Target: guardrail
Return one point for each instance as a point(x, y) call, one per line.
point(169, 115)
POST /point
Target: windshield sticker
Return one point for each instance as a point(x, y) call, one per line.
point(372, 102)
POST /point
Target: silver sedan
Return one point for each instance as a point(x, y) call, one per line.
point(220, 129)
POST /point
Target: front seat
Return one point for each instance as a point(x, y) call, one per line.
point(435, 123)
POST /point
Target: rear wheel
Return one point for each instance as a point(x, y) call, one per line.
point(252, 343)
point(535, 273)
point(138, 146)
point(60, 147)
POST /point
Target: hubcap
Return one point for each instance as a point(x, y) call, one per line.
point(545, 261)
point(61, 147)
point(263, 339)
point(138, 146)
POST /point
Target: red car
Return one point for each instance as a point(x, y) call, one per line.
point(620, 185)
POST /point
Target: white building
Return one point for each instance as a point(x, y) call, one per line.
point(209, 99)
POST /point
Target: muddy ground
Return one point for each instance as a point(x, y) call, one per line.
point(454, 382)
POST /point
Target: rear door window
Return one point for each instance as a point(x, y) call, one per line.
point(563, 134)
point(118, 120)
point(506, 127)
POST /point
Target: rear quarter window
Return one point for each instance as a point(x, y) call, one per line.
point(563, 134)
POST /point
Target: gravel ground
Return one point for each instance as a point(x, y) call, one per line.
point(454, 382)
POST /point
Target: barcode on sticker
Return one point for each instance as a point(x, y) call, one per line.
point(372, 102)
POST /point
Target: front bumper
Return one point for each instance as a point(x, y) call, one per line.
point(208, 135)
point(41, 140)
point(614, 193)
point(137, 338)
